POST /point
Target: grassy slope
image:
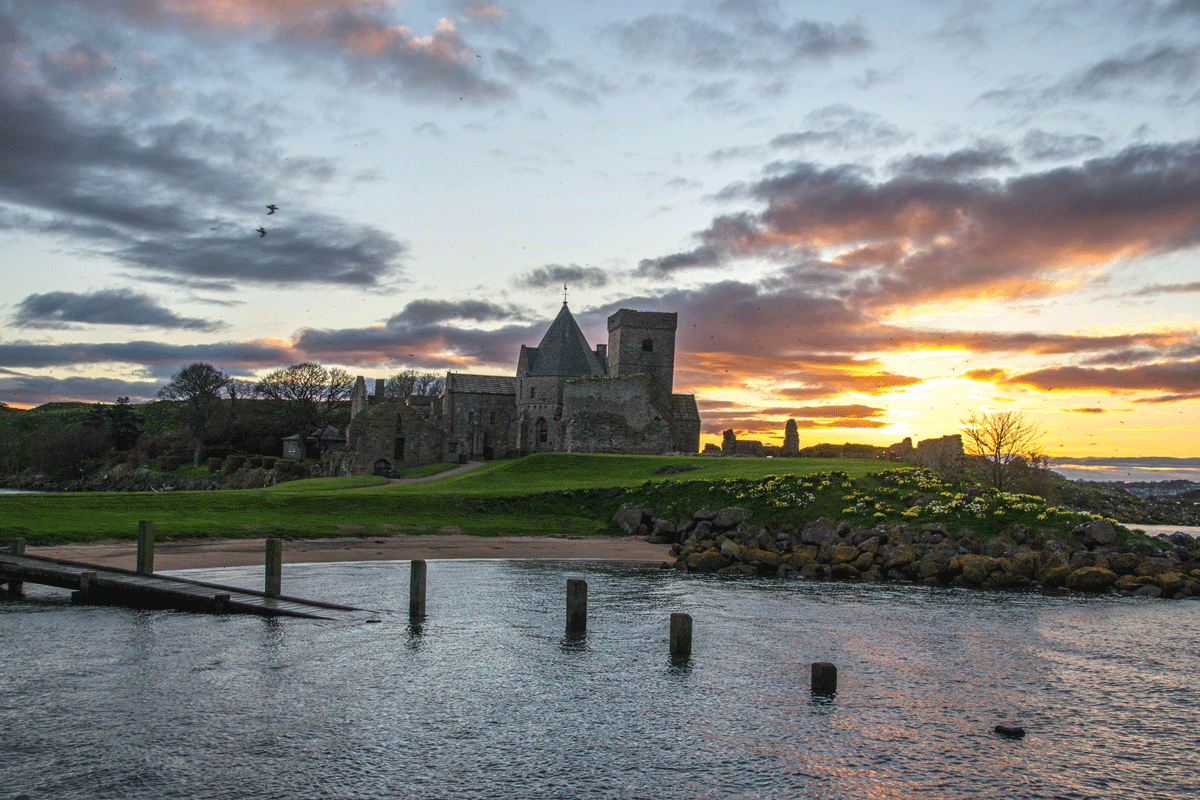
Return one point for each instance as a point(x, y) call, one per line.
point(491, 500)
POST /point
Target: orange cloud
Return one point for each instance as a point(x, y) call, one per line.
point(1180, 378)
point(988, 375)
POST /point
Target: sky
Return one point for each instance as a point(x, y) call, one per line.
point(872, 217)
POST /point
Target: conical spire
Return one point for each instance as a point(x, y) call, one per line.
point(564, 350)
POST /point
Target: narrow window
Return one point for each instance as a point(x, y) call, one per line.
point(532, 392)
point(647, 345)
point(543, 432)
point(492, 418)
point(470, 418)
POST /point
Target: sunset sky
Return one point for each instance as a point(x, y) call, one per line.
point(872, 217)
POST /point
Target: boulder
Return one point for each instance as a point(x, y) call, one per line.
point(1091, 579)
point(975, 569)
point(819, 532)
point(899, 557)
point(628, 517)
point(1123, 563)
point(1155, 566)
point(867, 560)
point(1057, 576)
point(730, 517)
point(706, 561)
point(1096, 532)
point(997, 548)
point(666, 529)
point(706, 514)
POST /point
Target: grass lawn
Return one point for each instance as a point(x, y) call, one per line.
point(502, 498)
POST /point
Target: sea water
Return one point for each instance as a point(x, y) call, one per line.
point(488, 698)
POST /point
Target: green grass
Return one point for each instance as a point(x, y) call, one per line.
point(326, 484)
point(542, 494)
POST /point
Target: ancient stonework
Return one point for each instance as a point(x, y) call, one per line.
point(566, 397)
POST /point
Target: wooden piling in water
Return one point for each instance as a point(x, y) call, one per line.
point(824, 678)
point(219, 601)
point(274, 568)
point(576, 605)
point(17, 548)
point(681, 635)
point(145, 551)
point(416, 589)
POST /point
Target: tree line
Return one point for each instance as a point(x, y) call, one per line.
point(200, 408)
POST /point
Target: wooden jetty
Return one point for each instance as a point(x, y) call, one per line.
point(112, 586)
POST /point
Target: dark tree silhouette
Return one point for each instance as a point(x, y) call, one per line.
point(1002, 443)
point(200, 385)
point(306, 395)
point(411, 383)
point(791, 439)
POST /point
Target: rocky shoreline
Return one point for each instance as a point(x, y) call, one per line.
point(1090, 559)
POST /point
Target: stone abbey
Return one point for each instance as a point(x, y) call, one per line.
point(565, 398)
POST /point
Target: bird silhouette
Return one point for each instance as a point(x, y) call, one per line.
point(261, 232)
point(271, 209)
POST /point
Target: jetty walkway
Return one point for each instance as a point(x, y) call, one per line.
point(92, 584)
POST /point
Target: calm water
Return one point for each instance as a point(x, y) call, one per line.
point(490, 700)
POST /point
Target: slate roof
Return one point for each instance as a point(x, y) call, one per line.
point(564, 351)
point(481, 384)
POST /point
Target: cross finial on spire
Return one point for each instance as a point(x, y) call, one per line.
point(564, 294)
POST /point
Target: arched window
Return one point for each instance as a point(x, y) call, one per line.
point(532, 392)
point(647, 345)
point(543, 432)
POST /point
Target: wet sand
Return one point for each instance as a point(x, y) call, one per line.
point(210, 553)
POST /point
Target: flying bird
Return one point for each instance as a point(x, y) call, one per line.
point(261, 231)
point(271, 209)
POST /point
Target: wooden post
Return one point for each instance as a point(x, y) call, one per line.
point(576, 605)
point(219, 601)
point(17, 548)
point(416, 589)
point(85, 588)
point(274, 576)
point(145, 553)
point(824, 678)
point(681, 635)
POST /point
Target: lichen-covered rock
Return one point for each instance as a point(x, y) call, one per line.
point(705, 514)
point(706, 561)
point(1091, 579)
point(1170, 582)
point(842, 553)
point(864, 562)
point(1155, 566)
point(1122, 563)
point(900, 557)
point(1057, 576)
point(974, 569)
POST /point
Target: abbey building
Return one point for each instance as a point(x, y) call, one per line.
point(565, 397)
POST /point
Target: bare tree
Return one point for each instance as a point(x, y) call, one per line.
point(200, 385)
point(410, 383)
point(1002, 442)
point(307, 395)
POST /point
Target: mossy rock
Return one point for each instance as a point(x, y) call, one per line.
point(1056, 576)
point(1091, 579)
point(843, 554)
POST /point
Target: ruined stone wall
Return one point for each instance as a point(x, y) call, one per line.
point(603, 432)
point(943, 455)
point(483, 423)
point(626, 397)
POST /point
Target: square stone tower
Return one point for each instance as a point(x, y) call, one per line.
point(643, 342)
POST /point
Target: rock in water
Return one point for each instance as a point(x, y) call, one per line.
point(1011, 731)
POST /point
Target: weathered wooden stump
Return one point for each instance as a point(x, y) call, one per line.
point(145, 551)
point(274, 568)
point(576, 605)
point(416, 589)
point(17, 548)
point(824, 678)
point(219, 601)
point(681, 635)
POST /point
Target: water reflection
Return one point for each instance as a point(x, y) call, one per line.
point(486, 696)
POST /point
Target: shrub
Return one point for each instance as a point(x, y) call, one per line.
point(268, 462)
point(233, 464)
point(287, 470)
point(214, 465)
point(254, 462)
point(169, 463)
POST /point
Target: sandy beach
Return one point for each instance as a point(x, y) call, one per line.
point(209, 553)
